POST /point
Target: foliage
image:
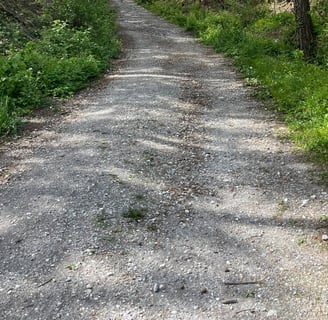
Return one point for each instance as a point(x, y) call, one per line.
point(263, 46)
point(68, 52)
point(135, 214)
point(8, 118)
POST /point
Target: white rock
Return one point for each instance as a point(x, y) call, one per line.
point(324, 237)
point(156, 287)
point(272, 313)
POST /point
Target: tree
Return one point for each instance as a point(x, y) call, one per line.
point(304, 28)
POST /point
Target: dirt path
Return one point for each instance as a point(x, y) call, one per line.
point(228, 217)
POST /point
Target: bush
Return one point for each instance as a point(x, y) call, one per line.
point(76, 44)
point(8, 119)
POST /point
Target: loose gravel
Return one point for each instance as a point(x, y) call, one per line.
point(165, 194)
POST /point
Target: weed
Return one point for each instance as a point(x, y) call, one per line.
point(71, 266)
point(324, 177)
point(249, 294)
point(149, 158)
point(324, 218)
point(117, 230)
point(152, 227)
point(140, 197)
point(101, 218)
point(135, 214)
point(111, 239)
point(301, 241)
point(292, 222)
point(282, 207)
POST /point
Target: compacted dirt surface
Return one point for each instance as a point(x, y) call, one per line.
point(166, 194)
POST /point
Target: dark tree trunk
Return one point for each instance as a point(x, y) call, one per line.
point(304, 27)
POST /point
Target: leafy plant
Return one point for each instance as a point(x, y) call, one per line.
point(8, 119)
point(76, 43)
point(71, 267)
point(135, 214)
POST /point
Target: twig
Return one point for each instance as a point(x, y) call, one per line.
point(242, 283)
point(244, 310)
point(230, 301)
point(44, 283)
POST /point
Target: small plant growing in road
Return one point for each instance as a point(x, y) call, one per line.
point(135, 214)
point(111, 239)
point(71, 266)
point(301, 241)
point(101, 218)
point(282, 207)
point(324, 218)
point(140, 197)
point(152, 227)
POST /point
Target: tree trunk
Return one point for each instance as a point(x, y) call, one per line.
point(304, 27)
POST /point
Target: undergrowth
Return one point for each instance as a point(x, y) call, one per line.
point(75, 41)
point(262, 44)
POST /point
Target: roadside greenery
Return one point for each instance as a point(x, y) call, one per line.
point(262, 44)
point(74, 42)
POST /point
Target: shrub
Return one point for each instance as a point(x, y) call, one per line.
point(8, 119)
point(76, 44)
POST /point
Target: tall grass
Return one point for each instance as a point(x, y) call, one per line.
point(262, 46)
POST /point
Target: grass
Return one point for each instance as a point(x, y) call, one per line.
point(262, 46)
point(152, 227)
point(111, 239)
point(71, 267)
point(135, 214)
point(301, 241)
point(282, 208)
point(101, 218)
point(324, 218)
point(140, 197)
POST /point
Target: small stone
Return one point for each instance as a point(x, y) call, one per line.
point(272, 313)
point(162, 287)
point(229, 301)
point(156, 287)
point(305, 202)
point(203, 290)
point(324, 237)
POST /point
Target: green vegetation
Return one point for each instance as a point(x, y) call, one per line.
point(101, 218)
point(301, 241)
point(140, 197)
point(135, 214)
point(71, 267)
point(262, 44)
point(53, 50)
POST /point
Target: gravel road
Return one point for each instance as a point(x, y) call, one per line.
point(166, 194)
